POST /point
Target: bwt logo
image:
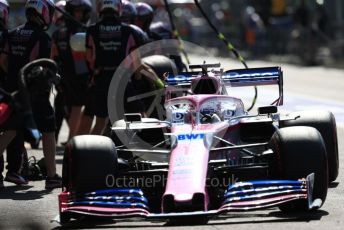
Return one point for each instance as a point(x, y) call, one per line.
point(110, 28)
point(190, 137)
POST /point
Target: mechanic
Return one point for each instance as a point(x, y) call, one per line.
point(144, 18)
point(11, 129)
point(73, 65)
point(140, 83)
point(8, 127)
point(155, 31)
point(129, 12)
point(27, 43)
point(4, 10)
point(58, 18)
point(62, 109)
point(128, 16)
point(108, 43)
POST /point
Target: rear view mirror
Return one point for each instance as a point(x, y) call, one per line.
point(132, 117)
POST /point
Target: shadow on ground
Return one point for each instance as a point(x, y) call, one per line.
point(230, 219)
point(22, 193)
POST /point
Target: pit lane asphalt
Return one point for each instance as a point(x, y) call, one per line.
point(33, 207)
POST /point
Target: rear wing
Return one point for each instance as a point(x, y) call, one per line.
point(237, 78)
point(253, 77)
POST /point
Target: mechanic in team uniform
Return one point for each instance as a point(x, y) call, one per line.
point(129, 12)
point(4, 10)
point(62, 110)
point(155, 31)
point(7, 124)
point(8, 127)
point(128, 16)
point(29, 42)
point(145, 14)
point(58, 20)
point(12, 137)
point(72, 64)
point(108, 43)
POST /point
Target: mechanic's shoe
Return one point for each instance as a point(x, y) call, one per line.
point(2, 184)
point(53, 182)
point(15, 178)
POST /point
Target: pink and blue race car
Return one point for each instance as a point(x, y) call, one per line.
point(208, 157)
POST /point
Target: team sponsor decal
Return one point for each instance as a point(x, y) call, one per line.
point(190, 136)
point(254, 74)
point(228, 75)
point(111, 45)
point(25, 32)
point(178, 116)
point(18, 50)
point(110, 28)
point(228, 113)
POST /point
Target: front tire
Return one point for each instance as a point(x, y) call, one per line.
point(88, 161)
point(325, 123)
point(300, 151)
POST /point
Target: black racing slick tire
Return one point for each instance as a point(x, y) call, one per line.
point(88, 162)
point(325, 123)
point(300, 151)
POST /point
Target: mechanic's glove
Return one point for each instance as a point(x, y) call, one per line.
point(159, 83)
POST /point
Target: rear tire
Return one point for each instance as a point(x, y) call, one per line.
point(325, 123)
point(88, 162)
point(160, 64)
point(299, 152)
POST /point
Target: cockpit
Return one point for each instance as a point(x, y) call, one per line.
point(203, 109)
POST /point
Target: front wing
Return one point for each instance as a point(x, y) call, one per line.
point(242, 196)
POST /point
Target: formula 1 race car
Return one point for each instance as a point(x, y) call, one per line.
point(209, 156)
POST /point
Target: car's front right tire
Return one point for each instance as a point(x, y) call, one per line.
point(88, 161)
point(299, 152)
